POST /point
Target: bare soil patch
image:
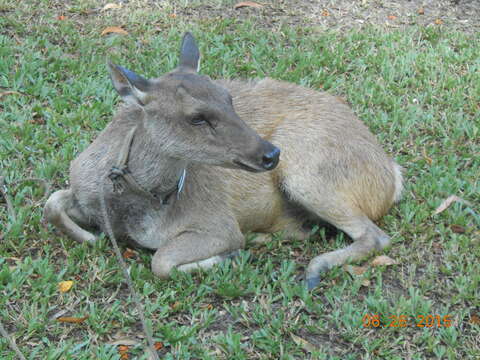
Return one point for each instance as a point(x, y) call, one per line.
point(461, 15)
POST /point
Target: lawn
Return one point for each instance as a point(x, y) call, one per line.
point(416, 87)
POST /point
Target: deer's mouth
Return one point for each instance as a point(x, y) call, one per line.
point(244, 166)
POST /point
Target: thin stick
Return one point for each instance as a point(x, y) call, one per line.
point(9, 202)
point(11, 342)
point(128, 279)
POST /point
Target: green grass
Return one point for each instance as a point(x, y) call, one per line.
point(418, 90)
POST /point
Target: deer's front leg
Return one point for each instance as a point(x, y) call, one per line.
point(195, 250)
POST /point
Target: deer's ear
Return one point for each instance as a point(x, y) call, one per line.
point(131, 87)
point(189, 54)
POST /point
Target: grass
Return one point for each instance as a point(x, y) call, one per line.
point(418, 90)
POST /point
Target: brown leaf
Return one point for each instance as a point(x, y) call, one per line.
point(61, 17)
point(383, 260)
point(5, 93)
point(459, 229)
point(474, 319)
point(64, 286)
point(247, 4)
point(426, 157)
point(111, 6)
point(303, 343)
point(158, 345)
point(447, 202)
point(123, 351)
point(74, 320)
point(113, 29)
point(325, 13)
point(421, 11)
point(355, 270)
point(123, 348)
point(129, 253)
point(391, 17)
point(366, 282)
point(175, 305)
point(438, 21)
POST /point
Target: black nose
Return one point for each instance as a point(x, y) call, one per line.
point(270, 159)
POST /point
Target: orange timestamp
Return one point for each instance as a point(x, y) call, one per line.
point(401, 321)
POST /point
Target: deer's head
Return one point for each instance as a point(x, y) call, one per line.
point(193, 118)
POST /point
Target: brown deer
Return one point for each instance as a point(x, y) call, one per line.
point(192, 168)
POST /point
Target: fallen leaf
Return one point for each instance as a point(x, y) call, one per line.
point(124, 341)
point(383, 260)
point(366, 282)
point(426, 157)
point(111, 6)
point(158, 345)
point(474, 319)
point(303, 343)
point(447, 202)
point(355, 270)
point(123, 351)
point(325, 12)
point(207, 306)
point(37, 119)
point(65, 286)
point(438, 21)
point(61, 17)
point(421, 11)
point(129, 253)
point(113, 29)
point(459, 229)
point(74, 320)
point(391, 17)
point(247, 4)
point(175, 305)
point(172, 16)
point(5, 93)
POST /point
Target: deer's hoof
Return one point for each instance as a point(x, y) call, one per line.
point(312, 282)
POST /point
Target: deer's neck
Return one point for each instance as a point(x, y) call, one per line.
point(151, 167)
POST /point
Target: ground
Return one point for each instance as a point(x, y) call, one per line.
point(409, 69)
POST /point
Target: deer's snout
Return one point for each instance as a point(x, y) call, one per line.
point(271, 158)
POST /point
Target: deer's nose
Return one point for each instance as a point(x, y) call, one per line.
point(270, 159)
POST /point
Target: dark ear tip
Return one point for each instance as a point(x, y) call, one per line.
point(111, 66)
point(188, 38)
point(188, 34)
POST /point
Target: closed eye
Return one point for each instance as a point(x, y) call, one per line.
point(198, 120)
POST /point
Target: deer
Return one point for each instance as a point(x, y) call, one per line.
point(191, 166)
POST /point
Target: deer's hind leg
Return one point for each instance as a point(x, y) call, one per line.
point(61, 212)
point(333, 208)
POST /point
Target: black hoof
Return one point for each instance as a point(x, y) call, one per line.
point(313, 282)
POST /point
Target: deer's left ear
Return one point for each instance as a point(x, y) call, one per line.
point(189, 54)
point(131, 87)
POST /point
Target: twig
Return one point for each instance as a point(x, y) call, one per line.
point(128, 279)
point(11, 342)
point(8, 199)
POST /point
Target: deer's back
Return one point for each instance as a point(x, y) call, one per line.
point(320, 137)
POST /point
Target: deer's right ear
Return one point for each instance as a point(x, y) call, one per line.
point(131, 87)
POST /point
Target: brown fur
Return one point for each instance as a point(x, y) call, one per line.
point(331, 169)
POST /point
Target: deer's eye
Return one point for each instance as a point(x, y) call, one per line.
point(198, 120)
